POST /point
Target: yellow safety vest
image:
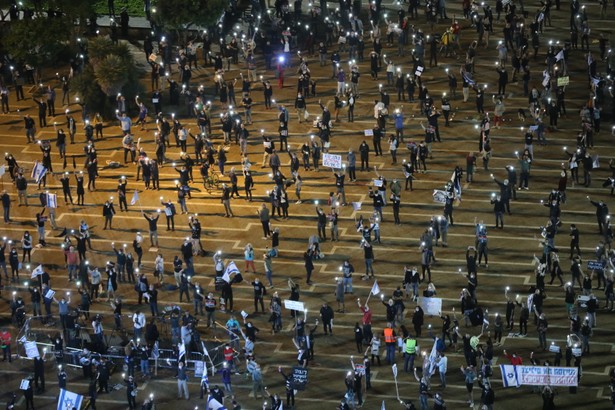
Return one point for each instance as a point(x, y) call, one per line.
point(410, 346)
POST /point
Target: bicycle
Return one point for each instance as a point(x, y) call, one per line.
point(212, 180)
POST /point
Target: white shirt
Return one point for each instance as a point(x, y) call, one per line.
point(138, 320)
point(443, 364)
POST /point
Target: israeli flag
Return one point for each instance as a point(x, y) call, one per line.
point(213, 404)
point(468, 78)
point(230, 269)
point(52, 201)
point(38, 172)
point(509, 375)
point(37, 271)
point(69, 400)
point(375, 288)
point(135, 198)
point(559, 56)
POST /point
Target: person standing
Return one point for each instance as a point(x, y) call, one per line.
point(153, 228)
point(226, 201)
point(364, 153)
point(263, 215)
point(182, 382)
point(5, 343)
point(131, 392)
point(108, 212)
point(259, 292)
point(309, 266)
point(6, 206)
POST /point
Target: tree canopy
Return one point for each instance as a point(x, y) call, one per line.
point(183, 14)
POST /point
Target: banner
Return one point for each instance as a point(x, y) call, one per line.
point(52, 201)
point(331, 161)
point(439, 196)
point(514, 376)
point(299, 378)
point(69, 400)
point(294, 305)
point(31, 350)
point(199, 369)
point(431, 306)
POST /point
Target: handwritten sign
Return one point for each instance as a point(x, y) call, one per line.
point(331, 160)
point(199, 368)
point(294, 305)
point(595, 265)
point(431, 306)
point(299, 378)
point(31, 350)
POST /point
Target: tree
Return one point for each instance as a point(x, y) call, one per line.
point(110, 70)
point(180, 15)
point(39, 41)
point(111, 74)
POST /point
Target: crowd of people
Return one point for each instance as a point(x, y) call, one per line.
point(281, 40)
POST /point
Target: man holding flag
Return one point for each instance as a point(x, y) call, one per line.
point(367, 318)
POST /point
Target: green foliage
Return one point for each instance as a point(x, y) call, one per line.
point(38, 42)
point(111, 70)
point(183, 14)
point(111, 74)
point(133, 7)
point(101, 47)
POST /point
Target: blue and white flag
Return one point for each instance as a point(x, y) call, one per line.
point(456, 185)
point(52, 201)
point(509, 375)
point(69, 400)
point(135, 198)
point(37, 271)
point(213, 404)
point(468, 78)
point(382, 407)
point(230, 269)
point(38, 172)
point(375, 288)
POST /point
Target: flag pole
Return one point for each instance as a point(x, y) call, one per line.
point(396, 387)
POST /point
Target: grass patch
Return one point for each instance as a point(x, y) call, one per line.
point(134, 7)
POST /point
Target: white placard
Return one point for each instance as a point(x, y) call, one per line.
point(2, 170)
point(368, 133)
point(31, 350)
point(244, 314)
point(25, 383)
point(431, 306)
point(50, 293)
point(331, 160)
point(294, 305)
point(377, 182)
